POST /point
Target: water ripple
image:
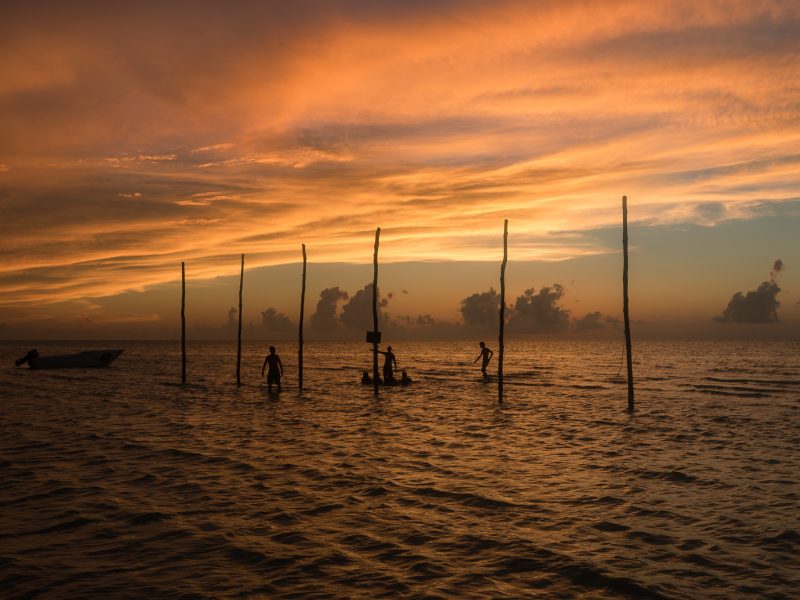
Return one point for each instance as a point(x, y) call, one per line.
point(123, 483)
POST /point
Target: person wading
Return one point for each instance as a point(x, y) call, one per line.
point(275, 369)
point(388, 372)
point(486, 354)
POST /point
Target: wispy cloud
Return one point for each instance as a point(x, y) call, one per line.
point(435, 121)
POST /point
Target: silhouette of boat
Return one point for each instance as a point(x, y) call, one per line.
point(81, 360)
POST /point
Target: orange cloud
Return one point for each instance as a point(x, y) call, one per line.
point(251, 129)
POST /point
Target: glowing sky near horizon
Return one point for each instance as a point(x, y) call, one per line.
point(134, 136)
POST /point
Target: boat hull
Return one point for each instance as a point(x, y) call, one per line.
point(82, 360)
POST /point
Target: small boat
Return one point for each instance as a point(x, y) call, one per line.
point(81, 360)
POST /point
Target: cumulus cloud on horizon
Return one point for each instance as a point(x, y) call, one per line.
point(756, 306)
point(355, 314)
point(594, 321)
point(481, 308)
point(274, 321)
point(326, 317)
point(539, 312)
point(531, 312)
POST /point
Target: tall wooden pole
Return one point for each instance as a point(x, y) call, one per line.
point(300, 332)
point(625, 300)
point(239, 334)
point(183, 322)
point(375, 312)
point(502, 314)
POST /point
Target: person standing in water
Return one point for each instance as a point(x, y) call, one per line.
point(388, 373)
point(275, 369)
point(486, 354)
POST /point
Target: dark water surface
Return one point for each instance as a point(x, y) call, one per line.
point(119, 483)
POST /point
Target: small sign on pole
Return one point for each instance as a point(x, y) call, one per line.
point(373, 337)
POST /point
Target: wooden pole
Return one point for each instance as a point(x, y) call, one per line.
point(183, 322)
point(300, 332)
point(375, 312)
point(625, 300)
point(239, 334)
point(501, 349)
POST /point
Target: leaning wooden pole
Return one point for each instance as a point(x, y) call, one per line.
point(183, 322)
point(502, 314)
point(239, 333)
point(375, 312)
point(625, 300)
point(300, 331)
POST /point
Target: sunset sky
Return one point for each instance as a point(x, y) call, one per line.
point(137, 135)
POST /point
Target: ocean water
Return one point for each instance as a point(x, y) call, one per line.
point(118, 483)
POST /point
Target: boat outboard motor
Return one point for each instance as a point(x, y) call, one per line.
point(27, 358)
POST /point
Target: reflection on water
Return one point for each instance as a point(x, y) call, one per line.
point(119, 483)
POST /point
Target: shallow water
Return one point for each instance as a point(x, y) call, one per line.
point(120, 483)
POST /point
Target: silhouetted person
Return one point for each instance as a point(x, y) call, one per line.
point(404, 378)
point(275, 369)
point(486, 354)
point(388, 373)
point(367, 380)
